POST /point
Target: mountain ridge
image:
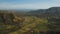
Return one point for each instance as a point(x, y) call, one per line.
point(50, 11)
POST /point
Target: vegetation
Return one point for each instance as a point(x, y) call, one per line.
point(29, 22)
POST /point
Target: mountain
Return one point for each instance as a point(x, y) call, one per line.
point(51, 11)
point(34, 21)
point(54, 11)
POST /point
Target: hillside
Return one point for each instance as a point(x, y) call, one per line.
point(11, 23)
point(42, 21)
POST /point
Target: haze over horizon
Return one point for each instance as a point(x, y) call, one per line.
point(28, 4)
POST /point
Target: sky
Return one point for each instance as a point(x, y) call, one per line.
point(28, 4)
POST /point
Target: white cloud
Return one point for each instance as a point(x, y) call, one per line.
point(56, 0)
point(28, 6)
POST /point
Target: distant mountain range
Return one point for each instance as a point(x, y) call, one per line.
point(51, 11)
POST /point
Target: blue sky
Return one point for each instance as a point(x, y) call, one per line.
point(28, 4)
